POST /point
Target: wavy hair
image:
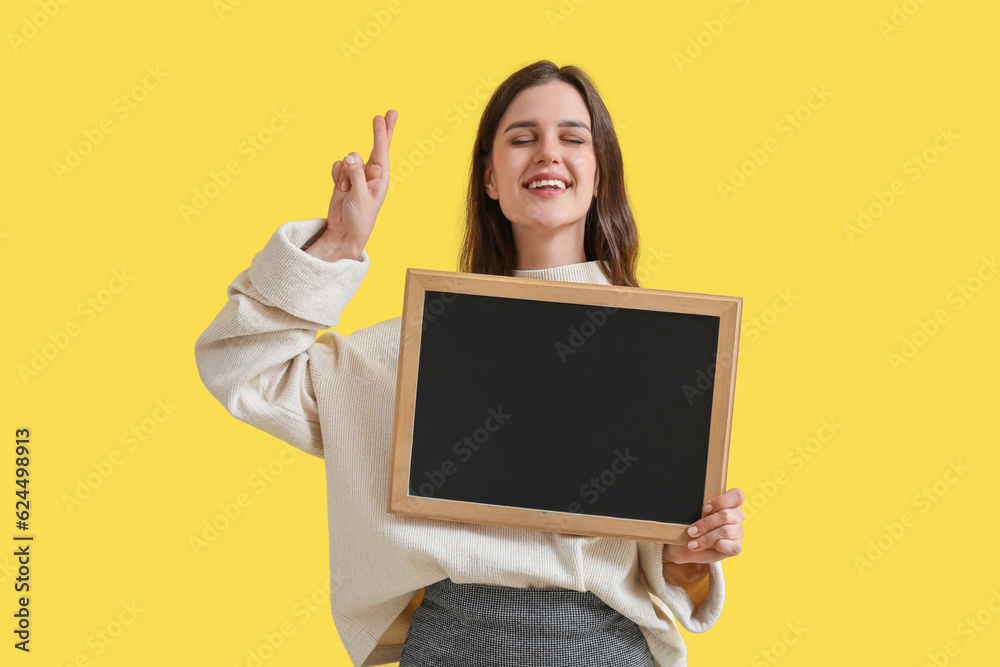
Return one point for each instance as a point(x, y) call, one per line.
point(610, 233)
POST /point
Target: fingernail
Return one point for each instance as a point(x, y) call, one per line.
point(708, 508)
point(350, 159)
point(692, 544)
point(692, 531)
point(343, 184)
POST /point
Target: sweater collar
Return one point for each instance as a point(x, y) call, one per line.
point(582, 272)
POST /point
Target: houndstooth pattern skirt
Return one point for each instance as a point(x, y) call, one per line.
point(473, 625)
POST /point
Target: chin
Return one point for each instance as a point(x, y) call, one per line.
point(551, 221)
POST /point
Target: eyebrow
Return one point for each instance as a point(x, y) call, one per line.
point(534, 123)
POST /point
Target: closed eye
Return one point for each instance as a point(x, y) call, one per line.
point(518, 142)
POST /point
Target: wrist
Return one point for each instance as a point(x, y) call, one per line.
point(685, 574)
point(331, 247)
point(667, 560)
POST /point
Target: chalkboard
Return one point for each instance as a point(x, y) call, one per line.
point(567, 407)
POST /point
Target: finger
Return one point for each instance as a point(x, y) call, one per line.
point(727, 531)
point(378, 126)
point(372, 167)
point(343, 177)
point(389, 120)
point(373, 171)
point(337, 172)
point(728, 547)
point(382, 128)
point(390, 123)
point(732, 498)
point(718, 518)
point(355, 173)
point(701, 556)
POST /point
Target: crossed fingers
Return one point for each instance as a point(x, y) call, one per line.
point(377, 166)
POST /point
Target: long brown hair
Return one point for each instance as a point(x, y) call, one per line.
point(610, 232)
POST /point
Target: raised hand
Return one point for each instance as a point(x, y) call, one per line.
point(359, 191)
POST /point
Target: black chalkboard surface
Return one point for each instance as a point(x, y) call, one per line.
point(569, 407)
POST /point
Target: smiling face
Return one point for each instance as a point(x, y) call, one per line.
point(544, 134)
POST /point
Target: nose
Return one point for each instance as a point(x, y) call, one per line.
point(547, 148)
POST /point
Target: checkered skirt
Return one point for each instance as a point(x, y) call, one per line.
point(473, 625)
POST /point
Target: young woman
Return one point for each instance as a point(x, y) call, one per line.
point(546, 200)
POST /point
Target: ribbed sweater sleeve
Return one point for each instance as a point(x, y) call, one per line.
point(257, 356)
point(694, 619)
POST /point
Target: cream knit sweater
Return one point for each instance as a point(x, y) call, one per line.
point(333, 397)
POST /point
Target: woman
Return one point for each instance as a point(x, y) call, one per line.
point(546, 200)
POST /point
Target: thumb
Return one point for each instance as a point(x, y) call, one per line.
point(355, 171)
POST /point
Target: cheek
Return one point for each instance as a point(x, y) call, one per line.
point(506, 176)
point(586, 167)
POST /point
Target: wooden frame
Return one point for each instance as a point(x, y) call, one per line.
point(418, 282)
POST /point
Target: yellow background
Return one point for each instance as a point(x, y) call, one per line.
point(683, 128)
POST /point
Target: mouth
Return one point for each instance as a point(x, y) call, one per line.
point(547, 182)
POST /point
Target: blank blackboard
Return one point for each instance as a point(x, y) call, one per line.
point(570, 407)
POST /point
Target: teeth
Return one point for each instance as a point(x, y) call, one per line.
point(538, 184)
